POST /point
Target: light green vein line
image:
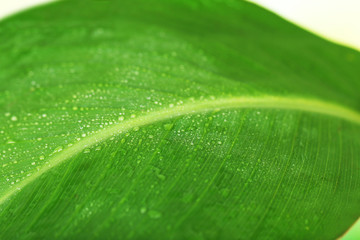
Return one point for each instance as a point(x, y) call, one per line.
point(271, 102)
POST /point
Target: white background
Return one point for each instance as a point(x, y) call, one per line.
point(338, 20)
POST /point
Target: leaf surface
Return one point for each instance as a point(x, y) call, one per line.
point(175, 120)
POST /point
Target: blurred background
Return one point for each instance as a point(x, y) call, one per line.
point(336, 20)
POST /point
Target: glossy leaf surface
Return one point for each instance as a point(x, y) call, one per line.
point(173, 119)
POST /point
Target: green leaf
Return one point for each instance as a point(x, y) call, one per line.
point(175, 119)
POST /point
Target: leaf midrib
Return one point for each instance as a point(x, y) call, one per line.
point(272, 102)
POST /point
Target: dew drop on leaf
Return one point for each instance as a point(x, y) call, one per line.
point(143, 210)
point(168, 126)
point(154, 214)
point(58, 149)
point(161, 177)
point(10, 141)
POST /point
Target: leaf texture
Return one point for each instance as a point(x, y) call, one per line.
point(175, 119)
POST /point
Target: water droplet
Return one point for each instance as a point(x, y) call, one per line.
point(42, 157)
point(168, 126)
point(154, 214)
point(86, 150)
point(143, 210)
point(58, 149)
point(33, 163)
point(121, 118)
point(161, 177)
point(10, 141)
point(14, 118)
